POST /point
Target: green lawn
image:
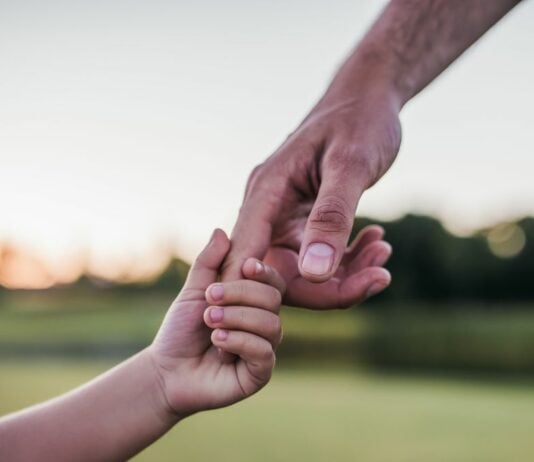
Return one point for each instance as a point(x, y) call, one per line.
point(328, 415)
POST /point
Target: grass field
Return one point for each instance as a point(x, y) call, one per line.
point(328, 415)
point(320, 405)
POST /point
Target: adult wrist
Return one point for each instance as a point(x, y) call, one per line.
point(371, 73)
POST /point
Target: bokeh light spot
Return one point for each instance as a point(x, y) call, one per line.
point(506, 240)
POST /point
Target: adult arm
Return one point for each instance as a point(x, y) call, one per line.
point(300, 203)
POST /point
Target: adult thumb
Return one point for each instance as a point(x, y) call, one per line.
point(329, 226)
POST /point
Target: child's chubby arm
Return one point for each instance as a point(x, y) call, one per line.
point(127, 408)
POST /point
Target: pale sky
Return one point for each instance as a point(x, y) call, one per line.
point(128, 126)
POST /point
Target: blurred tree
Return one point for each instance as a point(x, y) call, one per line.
point(431, 264)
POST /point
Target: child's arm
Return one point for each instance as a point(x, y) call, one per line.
point(110, 418)
point(124, 410)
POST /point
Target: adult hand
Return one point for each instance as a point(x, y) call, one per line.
point(300, 203)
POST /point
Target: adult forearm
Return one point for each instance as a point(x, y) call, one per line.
point(109, 419)
point(413, 41)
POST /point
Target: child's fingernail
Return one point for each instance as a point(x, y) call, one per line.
point(217, 292)
point(221, 334)
point(318, 258)
point(258, 267)
point(216, 314)
point(382, 257)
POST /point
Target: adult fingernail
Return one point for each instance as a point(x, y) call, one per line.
point(216, 314)
point(221, 334)
point(379, 260)
point(217, 292)
point(318, 258)
point(258, 268)
point(383, 256)
point(376, 288)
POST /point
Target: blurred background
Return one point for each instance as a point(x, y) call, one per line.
point(128, 130)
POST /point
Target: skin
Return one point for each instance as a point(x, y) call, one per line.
point(307, 192)
point(127, 408)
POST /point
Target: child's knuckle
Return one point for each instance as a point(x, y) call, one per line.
point(242, 315)
point(240, 290)
point(276, 298)
point(244, 343)
point(276, 326)
point(266, 353)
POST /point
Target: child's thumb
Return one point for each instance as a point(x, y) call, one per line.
point(206, 266)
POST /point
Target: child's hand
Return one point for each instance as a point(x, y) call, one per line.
point(122, 411)
point(239, 317)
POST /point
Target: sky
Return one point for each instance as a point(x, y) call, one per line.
point(128, 128)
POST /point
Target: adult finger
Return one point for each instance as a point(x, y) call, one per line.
point(205, 268)
point(255, 219)
point(251, 235)
point(376, 253)
point(338, 293)
point(329, 223)
point(369, 282)
point(367, 235)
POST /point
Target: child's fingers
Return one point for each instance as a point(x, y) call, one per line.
point(206, 266)
point(257, 352)
point(253, 320)
point(256, 270)
point(244, 292)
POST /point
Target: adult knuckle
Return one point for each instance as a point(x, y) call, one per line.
point(331, 215)
point(361, 163)
point(254, 175)
point(256, 170)
point(341, 158)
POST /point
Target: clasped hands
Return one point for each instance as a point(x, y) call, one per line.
point(217, 344)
